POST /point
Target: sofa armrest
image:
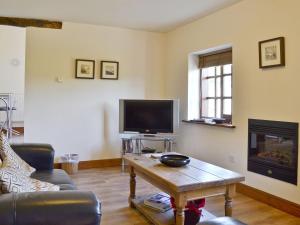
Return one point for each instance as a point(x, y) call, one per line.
point(39, 156)
point(51, 208)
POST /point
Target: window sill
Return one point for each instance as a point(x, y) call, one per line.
point(225, 125)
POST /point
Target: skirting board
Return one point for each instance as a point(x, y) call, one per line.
point(272, 200)
point(95, 163)
point(19, 129)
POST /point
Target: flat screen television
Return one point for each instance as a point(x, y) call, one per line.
point(148, 116)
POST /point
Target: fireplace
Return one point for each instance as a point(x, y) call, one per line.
point(273, 149)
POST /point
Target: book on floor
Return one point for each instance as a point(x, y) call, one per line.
point(160, 202)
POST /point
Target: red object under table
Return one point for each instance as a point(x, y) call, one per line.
point(193, 210)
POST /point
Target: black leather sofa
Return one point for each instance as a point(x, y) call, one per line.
point(66, 207)
point(222, 221)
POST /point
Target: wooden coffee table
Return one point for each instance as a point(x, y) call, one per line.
point(196, 180)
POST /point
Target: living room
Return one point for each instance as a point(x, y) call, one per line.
point(156, 58)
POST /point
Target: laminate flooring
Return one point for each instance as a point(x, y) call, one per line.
point(112, 188)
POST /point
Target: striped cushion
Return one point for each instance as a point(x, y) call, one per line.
point(11, 180)
point(12, 159)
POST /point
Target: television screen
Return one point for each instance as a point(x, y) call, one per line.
point(148, 116)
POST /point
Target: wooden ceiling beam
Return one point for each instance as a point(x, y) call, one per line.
point(24, 22)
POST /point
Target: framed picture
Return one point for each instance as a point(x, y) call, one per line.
point(271, 53)
point(85, 69)
point(109, 70)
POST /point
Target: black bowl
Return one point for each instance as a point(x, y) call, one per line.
point(174, 160)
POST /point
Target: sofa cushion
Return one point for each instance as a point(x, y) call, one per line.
point(12, 180)
point(56, 176)
point(39, 156)
point(51, 208)
point(12, 159)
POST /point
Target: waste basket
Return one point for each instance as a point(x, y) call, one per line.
point(69, 163)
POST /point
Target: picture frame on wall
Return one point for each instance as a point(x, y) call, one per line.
point(109, 70)
point(85, 69)
point(271, 53)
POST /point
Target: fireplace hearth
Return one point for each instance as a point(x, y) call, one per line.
point(273, 149)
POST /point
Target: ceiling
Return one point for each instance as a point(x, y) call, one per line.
point(151, 15)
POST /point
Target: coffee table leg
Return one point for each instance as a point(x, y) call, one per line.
point(132, 186)
point(179, 216)
point(230, 191)
point(180, 206)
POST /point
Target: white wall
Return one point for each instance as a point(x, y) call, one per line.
point(12, 65)
point(264, 94)
point(81, 116)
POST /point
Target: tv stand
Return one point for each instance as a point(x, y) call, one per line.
point(133, 144)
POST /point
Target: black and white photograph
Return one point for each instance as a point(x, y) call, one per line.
point(109, 70)
point(85, 69)
point(271, 53)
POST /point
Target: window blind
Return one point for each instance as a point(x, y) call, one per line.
point(216, 58)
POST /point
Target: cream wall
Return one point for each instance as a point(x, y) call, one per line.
point(263, 94)
point(81, 116)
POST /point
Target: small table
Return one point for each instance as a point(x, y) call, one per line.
point(196, 180)
point(7, 108)
point(129, 147)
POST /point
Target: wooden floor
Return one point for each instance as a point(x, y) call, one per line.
point(112, 188)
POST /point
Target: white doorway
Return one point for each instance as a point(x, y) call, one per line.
point(12, 71)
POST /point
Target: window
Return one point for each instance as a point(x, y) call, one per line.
point(216, 85)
